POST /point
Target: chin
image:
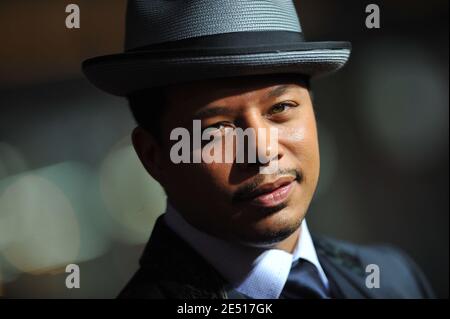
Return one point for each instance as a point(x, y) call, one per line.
point(272, 229)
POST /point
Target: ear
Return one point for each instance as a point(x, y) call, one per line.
point(148, 151)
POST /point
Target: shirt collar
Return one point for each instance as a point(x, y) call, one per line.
point(255, 272)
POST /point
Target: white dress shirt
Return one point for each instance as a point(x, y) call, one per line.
point(255, 272)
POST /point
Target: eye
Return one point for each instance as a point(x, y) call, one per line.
point(281, 107)
point(220, 126)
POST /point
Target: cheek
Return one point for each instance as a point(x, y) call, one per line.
point(301, 138)
point(294, 134)
point(302, 128)
point(186, 184)
point(301, 145)
point(212, 176)
point(216, 175)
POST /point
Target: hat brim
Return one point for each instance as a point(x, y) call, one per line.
point(122, 74)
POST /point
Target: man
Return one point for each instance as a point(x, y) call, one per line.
point(236, 229)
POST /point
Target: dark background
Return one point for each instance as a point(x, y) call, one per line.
point(73, 191)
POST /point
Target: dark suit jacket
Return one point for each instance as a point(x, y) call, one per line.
point(170, 268)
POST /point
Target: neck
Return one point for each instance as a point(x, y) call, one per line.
point(289, 243)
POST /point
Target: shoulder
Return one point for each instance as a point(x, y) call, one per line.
point(170, 268)
point(399, 275)
point(142, 286)
point(145, 285)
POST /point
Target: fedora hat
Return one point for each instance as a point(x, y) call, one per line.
point(173, 41)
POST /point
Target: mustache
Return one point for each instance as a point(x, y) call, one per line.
point(245, 190)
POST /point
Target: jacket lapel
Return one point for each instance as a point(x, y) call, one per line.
point(344, 270)
point(182, 273)
point(179, 270)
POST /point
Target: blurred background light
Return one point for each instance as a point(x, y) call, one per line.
point(404, 103)
point(132, 197)
point(12, 160)
point(329, 160)
point(43, 229)
point(51, 217)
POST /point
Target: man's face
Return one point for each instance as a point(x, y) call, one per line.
point(234, 200)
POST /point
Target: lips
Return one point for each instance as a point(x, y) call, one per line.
point(272, 194)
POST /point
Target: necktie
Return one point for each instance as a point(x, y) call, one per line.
point(304, 282)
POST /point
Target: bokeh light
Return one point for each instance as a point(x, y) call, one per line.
point(42, 228)
point(11, 160)
point(405, 103)
point(133, 198)
point(51, 217)
point(328, 160)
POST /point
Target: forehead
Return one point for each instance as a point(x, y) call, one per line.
point(201, 93)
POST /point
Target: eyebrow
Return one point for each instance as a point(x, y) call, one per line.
point(278, 90)
point(212, 111)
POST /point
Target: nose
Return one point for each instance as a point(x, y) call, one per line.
point(262, 147)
